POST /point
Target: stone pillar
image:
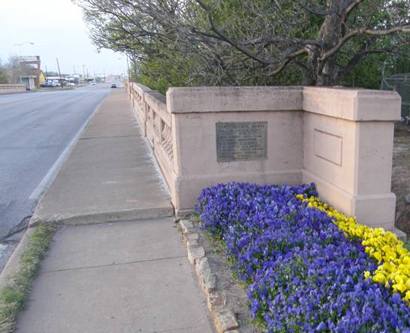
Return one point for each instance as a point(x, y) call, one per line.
point(348, 145)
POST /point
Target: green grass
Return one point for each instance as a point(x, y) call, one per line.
point(13, 295)
point(195, 218)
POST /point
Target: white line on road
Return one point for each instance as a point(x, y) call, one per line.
point(46, 182)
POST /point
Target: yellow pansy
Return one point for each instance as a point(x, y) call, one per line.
point(383, 246)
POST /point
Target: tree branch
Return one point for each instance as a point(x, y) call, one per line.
point(288, 59)
point(363, 31)
point(357, 58)
point(228, 40)
point(352, 6)
point(316, 10)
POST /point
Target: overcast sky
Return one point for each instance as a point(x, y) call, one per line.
point(57, 29)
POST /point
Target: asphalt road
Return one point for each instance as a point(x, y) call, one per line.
point(35, 130)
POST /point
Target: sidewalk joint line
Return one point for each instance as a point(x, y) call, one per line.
point(111, 264)
point(175, 329)
point(109, 137)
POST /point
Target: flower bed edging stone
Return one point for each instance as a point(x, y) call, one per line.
point(223, 317)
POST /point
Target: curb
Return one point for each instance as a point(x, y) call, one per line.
point(105, 217)
point(12, 265)
point(223, 317)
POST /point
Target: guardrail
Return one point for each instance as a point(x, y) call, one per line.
point(11, 88)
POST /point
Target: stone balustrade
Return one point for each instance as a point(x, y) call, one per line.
point(156, 124)
point(339, 138)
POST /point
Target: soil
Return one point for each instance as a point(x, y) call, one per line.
point(401, 176)
point(233, 290)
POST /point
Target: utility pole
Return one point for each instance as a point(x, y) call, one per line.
point(59, 72)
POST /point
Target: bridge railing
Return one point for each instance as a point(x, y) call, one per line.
point(11, 88)
point(341, 139)
point(156, 124)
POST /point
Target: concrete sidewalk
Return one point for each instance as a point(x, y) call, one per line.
point(109, 176)
point(123, 277)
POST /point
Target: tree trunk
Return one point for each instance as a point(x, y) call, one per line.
point(330, 33)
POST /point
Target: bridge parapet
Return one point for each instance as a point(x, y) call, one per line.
point(341, 139)
point(156, 123)
point(12, 88)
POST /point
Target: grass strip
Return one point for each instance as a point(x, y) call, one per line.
point(14, 294)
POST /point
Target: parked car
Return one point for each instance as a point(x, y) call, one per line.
point(113, 85)
point(50, 84)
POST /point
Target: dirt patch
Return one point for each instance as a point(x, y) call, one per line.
point(401, 175)
point(232, 288)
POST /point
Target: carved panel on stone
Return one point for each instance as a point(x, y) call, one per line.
point(328, 146)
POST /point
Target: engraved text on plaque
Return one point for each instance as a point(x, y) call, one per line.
point(236, 141)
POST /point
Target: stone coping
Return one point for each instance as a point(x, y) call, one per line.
point(234, 99)
point(338, 102)
point(353, 104)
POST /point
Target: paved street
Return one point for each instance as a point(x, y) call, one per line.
point(35, 129)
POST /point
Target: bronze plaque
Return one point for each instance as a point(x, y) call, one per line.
point(241, 141)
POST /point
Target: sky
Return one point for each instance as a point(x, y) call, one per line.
point(53, 29)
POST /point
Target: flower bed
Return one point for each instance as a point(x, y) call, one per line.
point(303, 272)
point(384, 246)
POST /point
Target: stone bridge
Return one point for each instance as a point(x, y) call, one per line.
point(341, 139)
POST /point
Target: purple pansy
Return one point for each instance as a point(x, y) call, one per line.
point(303, 274)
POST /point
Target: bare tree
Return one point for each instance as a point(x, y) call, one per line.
point(15, 69)
point(237, 41)
point(3, 74)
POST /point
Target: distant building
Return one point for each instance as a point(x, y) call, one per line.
point(29, 81)
point(27, 62)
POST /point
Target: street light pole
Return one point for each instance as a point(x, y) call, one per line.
point(59, 73)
